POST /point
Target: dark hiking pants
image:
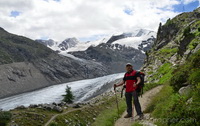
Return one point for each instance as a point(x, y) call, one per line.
point(129, 102)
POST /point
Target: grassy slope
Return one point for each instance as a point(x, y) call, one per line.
point(169, 106)
point(179, 109)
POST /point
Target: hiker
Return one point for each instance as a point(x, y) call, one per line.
point(131, 80)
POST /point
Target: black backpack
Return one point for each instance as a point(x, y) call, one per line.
point(139, 90)
point(141, 84)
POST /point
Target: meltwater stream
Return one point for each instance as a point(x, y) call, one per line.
point(82, 90)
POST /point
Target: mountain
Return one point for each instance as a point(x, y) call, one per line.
point(48, 43)
point(141, 39)
point(26, 65)
point(68, 43)
point(174, 61)
point(112, 51)
point(120, 49)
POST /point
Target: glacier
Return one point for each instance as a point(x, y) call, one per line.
point(83, 90)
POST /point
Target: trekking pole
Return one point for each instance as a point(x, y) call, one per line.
point(116, 101)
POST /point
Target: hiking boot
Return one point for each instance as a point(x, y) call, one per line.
point(141, 116)
point(127, 116)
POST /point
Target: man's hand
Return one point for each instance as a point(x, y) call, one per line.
point(115, 85)
point(134, 84)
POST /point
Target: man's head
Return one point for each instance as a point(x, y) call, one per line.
point(129, 67)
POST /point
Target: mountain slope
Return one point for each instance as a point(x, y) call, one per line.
point(174, 61)
point(112, 56)
point(27, 65)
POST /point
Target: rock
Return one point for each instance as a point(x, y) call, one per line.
point(58, 108)
point(54, 103)
point(185, 90)
point(197, 48)
point(48, 106)
point(66, 121)
point(61, 103)
point(33, 106)
point(21, 107)
point(189, 101)
point(76, 106)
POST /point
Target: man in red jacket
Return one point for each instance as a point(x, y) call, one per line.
point(131, 80)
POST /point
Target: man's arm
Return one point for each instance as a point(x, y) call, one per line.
point(120, 84)
point(138, 80)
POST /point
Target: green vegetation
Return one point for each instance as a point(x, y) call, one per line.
point(31, 116)
point(109, 116)
point(5, 117)
point(172, 108)
point(163, 74)
point(69, 97)
point(168, 52)
point(194, 43)
point(187, 73)
point(104, 113)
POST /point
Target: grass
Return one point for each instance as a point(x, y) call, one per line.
point(168, 52)
point(163, 74)
point(100, 114)
point(5, 117)
point(174, 109)
point(31, 116)
point(109, 116)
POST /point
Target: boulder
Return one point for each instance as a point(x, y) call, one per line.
point(58, 108)
point(185, 90)
point(33, 106)
point(76, 106)
point(20, 107)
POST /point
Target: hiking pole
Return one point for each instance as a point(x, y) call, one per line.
point(116, 101)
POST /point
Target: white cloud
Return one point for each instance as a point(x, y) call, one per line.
point(82, 18)
point(189, 1)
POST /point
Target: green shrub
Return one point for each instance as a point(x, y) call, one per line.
point(186, 31)
point(168, 52)
point(193, 44)
point(188, 72)
point(4, 118)
point(180, 76)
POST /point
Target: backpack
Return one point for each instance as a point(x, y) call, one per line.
point(141, 84)
point(139, 90)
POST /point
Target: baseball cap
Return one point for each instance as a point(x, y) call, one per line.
point(129, 64)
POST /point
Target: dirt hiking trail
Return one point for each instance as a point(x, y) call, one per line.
point(144, 101)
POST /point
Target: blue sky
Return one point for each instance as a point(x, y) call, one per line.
point(86, 20)
point(186, 8)
point(14, 13)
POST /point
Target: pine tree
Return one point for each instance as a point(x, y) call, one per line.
point(69, 97)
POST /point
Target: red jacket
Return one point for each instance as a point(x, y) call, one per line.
point(130, 78)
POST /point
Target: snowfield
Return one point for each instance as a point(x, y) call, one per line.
point(83, 90)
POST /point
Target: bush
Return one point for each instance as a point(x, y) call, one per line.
point(188, 72)
point(187, 31)
point(4, 118)
point(69, 97)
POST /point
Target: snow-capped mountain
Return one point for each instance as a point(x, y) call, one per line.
point(68, 43)
point(139, 39)
point(112, 51)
